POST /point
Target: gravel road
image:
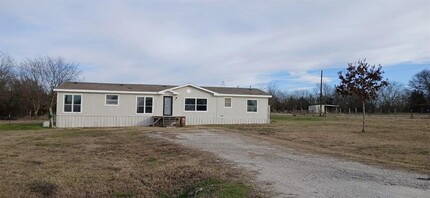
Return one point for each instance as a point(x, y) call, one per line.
point(290, 173)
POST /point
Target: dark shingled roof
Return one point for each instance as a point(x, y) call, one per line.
point(153, 88)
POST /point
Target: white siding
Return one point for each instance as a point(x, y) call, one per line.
point(96, 114)
point(237, 120)
point(216, 113)
point(66, 121)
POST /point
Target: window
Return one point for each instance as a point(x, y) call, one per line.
point(196, 104)
point(190, 104)
point(140, 105)
point(144, 104)
point(72, 103)
point(227, 102)
point(202, 104)
point(251, 106)
point(112, 100)
point(148, 105)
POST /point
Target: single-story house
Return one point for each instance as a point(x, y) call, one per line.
point(84, 104)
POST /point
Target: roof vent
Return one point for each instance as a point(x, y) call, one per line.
point(75, 83)
point(164, 86)
point(121, 84)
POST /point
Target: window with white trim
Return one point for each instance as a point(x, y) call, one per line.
point(196, 104)
point(72, 103)
point(144, 104)
point(251, 106)
point(112, 100)
point(227, 102)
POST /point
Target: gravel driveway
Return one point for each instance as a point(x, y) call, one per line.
point(293, 174)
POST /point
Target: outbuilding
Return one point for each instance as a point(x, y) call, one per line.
point(85, 104)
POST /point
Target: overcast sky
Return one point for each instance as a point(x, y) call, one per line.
point(205, 42)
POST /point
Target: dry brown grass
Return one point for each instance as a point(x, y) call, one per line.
point(397, 142)
point(107, 163)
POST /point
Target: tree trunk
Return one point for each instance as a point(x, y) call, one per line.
point(36, 108)
point(364, 114)
point(51, 118)
point(36, 113)
point(52, 101)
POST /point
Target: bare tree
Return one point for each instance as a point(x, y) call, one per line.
point(421, 82)
point(30, 83)
point(55, 72)
point(42, 75)
point(276, 101)
point(6, 76)
point(362, 80)
point(328, 93)
point(6, 69)
point(392, 97)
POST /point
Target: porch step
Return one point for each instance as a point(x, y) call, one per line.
point(168, 121)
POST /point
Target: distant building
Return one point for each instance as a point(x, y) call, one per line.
point(315, 109)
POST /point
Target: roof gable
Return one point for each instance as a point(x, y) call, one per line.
point(188, 85)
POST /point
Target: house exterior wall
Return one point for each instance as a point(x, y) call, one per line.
point(95, 113)
point(217, 113)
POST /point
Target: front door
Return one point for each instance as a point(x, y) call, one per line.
point(168, 105)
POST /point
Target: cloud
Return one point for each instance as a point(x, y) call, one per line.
point(205, 42)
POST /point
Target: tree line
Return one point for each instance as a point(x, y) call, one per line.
point(393, 98)
point(27, 86)
point(27, 89)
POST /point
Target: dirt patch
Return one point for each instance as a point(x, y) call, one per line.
point(42, 188)
point(395, 142)
point(295, 174)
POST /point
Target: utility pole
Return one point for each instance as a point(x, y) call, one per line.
point(321, 93)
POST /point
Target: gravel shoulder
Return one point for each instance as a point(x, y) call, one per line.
point(290, 173)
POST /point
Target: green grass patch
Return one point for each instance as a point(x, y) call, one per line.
point(298, 118)
point(151, 161)
point(18, 127)
point(217, 188)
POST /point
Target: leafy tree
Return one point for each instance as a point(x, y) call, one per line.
point(363, 81)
